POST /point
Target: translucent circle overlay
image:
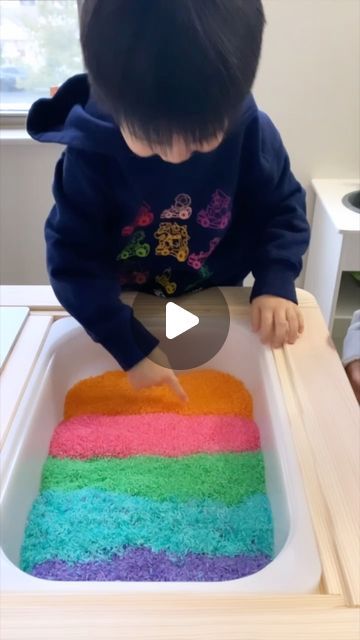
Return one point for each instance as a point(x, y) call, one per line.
point(196, 346)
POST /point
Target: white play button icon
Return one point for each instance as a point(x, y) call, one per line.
point(206, 313)
point(178, 320)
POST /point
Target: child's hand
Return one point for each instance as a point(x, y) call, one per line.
point(277, 320)
point(147, 373)
point(353, 373)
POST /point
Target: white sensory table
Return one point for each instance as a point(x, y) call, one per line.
point(324, 424)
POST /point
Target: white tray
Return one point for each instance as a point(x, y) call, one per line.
point(69, 355)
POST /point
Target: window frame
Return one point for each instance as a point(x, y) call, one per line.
point(17, 119)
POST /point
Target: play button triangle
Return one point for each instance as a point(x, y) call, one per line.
point(178, 320)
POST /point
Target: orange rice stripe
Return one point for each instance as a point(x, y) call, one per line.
point(210, 392)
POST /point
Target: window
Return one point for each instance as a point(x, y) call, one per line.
point(39, 49)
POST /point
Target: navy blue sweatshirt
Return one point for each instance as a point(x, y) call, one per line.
point(124, 222)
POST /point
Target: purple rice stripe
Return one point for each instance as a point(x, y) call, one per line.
point(142, 564)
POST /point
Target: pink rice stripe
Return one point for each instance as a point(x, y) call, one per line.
point(162, 434)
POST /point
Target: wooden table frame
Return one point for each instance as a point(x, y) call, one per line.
point(325, 426)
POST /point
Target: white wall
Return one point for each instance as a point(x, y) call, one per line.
point(26, 174)
point(308, 82)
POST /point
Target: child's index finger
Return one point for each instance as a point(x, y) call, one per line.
point(177, 388)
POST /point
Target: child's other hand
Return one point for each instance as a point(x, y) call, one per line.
point(353, 373)
point(277, 320)
point(147, 373)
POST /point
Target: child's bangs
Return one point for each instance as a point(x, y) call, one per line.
point(162, 133)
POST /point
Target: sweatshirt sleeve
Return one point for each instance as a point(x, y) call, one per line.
point(351, 347)
point(281, 213)
point(77, 235)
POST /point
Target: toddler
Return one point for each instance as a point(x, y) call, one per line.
point(172, 178)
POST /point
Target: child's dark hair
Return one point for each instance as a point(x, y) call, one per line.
point(172, 67)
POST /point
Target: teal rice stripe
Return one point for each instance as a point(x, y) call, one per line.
point(90, 524)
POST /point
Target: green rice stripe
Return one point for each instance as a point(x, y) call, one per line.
point(228, 478)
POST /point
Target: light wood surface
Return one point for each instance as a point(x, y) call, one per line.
point(18, 367)
point(183, 617)
point(332, 577)
point(36, 297)
point(331, 422)
point(325, 427)
point(11, 322)
point(42, 298)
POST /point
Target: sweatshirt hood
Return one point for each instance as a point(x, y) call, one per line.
point(72, 117)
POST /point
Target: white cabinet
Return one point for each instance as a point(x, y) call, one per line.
point(334, 252)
